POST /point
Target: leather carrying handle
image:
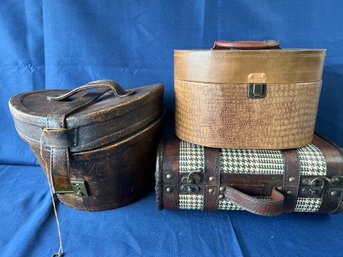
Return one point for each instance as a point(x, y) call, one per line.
point(246, 45)
point(59, 156)
point(109, 85)
point(265, 207)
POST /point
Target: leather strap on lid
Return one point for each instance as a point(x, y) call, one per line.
point(246, 45)
point(56, 127)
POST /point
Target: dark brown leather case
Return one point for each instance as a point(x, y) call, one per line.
point(265, 182)
point(96, 144)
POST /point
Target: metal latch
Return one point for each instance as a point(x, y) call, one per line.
point(257, 90)
point(311, 187)
point(63, 189)
point(315, 186)
point(79, 188)
point(191, 183)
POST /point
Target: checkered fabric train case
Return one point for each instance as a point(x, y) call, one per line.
point(245, 161)
point(317, 180)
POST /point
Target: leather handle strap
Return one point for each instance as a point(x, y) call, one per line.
point(265, 207)
point(246, 45)
point(57, 132)
point(56, 126)
point(110, 85)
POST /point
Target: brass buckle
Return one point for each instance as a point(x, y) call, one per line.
point(76, 187)
point(79, 188)
point(63, 189)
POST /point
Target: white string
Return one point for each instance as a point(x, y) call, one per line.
point(47, 168)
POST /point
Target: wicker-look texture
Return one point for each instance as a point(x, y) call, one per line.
point(219, 115)
point(212, 106)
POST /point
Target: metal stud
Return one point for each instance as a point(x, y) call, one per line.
point(211, 190)
point(211, 178)
point(289, 192)
point(222, 189)
point(221, 197)
point(333, 193)
point(169, 189)
point(291, 179)
point(169, 176)
point(279, 188)
point(335, 180)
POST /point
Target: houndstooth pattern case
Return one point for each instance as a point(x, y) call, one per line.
point(192, 157)
point(246, 161)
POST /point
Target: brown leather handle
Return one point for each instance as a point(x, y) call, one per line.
point(246, 45)
point(265, 207)
point(107, 84)
point(56, 122)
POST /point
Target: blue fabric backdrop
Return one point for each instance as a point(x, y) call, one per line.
point(63, 44)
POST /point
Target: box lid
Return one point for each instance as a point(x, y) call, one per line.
point(95, 117)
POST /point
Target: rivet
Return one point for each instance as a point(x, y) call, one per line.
point(211, 190)
point(279, 188)
point(211, 178)
point(169, 189)
point(289, 192)
point(291, 179)
point(333, 193)
point(222, 189)
point(169, 176)
point(336, 179)
point(221, 197)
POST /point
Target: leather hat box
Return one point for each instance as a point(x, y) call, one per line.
point(96, 144)
point(249, 95)
point(264, 182)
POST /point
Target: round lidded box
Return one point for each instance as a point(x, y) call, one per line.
point(247, 95)
point(97, 147)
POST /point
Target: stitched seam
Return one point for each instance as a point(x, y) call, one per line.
point(67, 162)
point(243, 84)
point(52, 163)
point(210, 55)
